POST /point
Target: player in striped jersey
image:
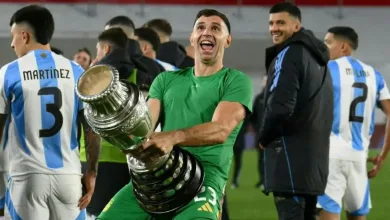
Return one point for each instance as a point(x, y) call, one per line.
point(150, 44)
point(358, 89)
point(37, 95)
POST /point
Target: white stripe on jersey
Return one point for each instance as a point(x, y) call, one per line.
point(346, 91)
point(70, 156)
point(354, 118)
point(370, 104)
point(33, 88)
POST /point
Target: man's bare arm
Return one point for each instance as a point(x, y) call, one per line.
point(385, 106)
point(92, 145)
point(154, 110)
point(226, 117)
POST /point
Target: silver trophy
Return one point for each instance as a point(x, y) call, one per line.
point(117, 111)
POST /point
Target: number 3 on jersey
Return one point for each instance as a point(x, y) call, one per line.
point(54, 109)
point(352, 110)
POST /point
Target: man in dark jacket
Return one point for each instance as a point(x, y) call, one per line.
point(297, 117)
point(170, 51)
point(57, 51)
point(112, 50)
point(141, 62)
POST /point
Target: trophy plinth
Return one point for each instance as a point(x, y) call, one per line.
point(117, 110)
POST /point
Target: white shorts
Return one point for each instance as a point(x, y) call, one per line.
point(3, 187)
point(44, 197)
point(347, 184)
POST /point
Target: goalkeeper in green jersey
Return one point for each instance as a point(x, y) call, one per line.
point(202, 108)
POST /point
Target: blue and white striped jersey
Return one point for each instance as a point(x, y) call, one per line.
point(358, 88)
point(167, 66)
point(37, 91)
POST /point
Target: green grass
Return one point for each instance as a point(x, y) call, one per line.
point(249, 203)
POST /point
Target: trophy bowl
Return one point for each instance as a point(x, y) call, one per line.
point(117, 111)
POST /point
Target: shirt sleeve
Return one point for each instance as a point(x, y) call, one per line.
point(157, 88)
point(383, 91)
point(239, 89)
point(4, 101)
point(282, 95)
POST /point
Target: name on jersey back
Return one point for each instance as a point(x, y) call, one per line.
point(357, 73)
point(46, 74)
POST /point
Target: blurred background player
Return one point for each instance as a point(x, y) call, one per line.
point(38, 97)
point(150, 45)
point(170, 51)
point(142, 62)
point(255, 121)
point(83, 58)
point(238, 149)
point(358, 90)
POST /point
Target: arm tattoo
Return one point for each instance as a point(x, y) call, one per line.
point(92, 145)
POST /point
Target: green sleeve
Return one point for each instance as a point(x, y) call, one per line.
point(157, 88)
point(238, 88)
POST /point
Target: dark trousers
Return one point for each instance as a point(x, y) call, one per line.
point(225, 211)
point(295, 207)
point(238, 151)
point(260, 164)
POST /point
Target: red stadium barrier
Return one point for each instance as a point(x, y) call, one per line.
point(218, 2)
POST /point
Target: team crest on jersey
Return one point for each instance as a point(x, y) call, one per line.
point(43, 55)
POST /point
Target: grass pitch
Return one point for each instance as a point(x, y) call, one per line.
point(249, 203)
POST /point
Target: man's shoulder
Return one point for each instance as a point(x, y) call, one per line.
point(291, 53)
point(175, 73)
point(150, 63)
point(9, 66)
point(234, 75)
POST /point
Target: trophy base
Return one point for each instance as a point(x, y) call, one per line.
point(171, 187)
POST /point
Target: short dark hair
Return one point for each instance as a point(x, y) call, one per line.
point(160, 25)
point(149, 35)
point(347, 33)
point(39, 19)
point(288, 7)
point(84, 49)
point(121, 20)
point(56, 51)
point(213, 12)
point(114, 36)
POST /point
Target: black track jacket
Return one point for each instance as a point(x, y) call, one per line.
point(298, 115)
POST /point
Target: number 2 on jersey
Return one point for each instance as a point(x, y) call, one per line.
point(54, 109)
point(352, 110)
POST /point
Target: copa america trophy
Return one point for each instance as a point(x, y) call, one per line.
point(116, 110)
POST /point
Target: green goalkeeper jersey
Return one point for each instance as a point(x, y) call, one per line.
point(188, 100)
